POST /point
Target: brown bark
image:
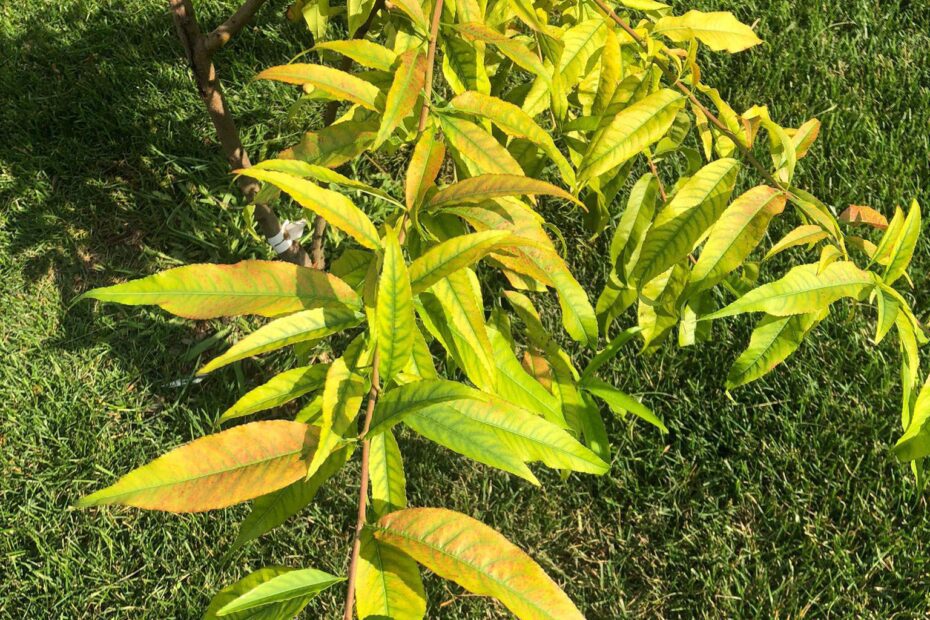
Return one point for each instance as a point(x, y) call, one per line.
point(199, 51)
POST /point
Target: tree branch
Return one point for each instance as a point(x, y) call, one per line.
point(200, 59)
point(236, 22)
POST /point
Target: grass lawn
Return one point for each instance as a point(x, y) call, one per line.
point(782, 502)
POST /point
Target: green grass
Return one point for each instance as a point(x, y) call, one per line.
point(783, 502)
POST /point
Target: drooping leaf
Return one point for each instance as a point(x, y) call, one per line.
point(218, 470)
point(487, 186)
point(298, 327)
point(386, 472)
point(638, 126)
point(271, 510)
point(735, 235)
point(805, 136)
point(280, 389)
point(335, 208)
point(342, 397)
point(264, 288)
point(915, 443)
point(634, 222)
point(609, 352)
point(453, 254)
point(337, 84)
point(408, 399)
point(300, 584)
point(276, 611)
point(413, 10)
point(802, 290)
point(389, 585)
point(621, 402)
point(298, 168)
point(679, 226)
point(719, 30)
point(402, 96)
point(396, 320)
point(888, 309)
point(364, 52)
point(513, 49)
point(424, 166)
point(479, 559)
point(773, 340)
point(336, 144)
point(802, 235)
point(481, 153)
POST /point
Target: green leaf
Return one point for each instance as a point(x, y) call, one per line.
point(719, 30)
point(773, 340)
point(339, 85)
point(888, 310)
point(915, 443)
point(335, 208)
point(216, 471)
point(802, 290)
point(335, 145)
point(481, 153)
point(479, 559)
point(402, 96)
point(389, 585)
point(298, 327)
point(364, 52)
point(621, 402)
point(279, 611)
point(609, 352)
point(580, 44)
point(280, 389)
point(271, 510)
point(634, 222)
point(453, 254)
point(297, 584)
point(386, 472)
point(735, 235)
point(395, 405)
point(513, 49)
point(682, 223)
point(342, 398)
point(413, 10)
point(259, 287)
point(802, 235)
point(901, 252)
point(638, 126)
point(488, 186)
point(396, 319)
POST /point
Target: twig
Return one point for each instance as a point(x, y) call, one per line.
point(199, 56)
point(655, 173)
point(376, 359)
point(236, 22)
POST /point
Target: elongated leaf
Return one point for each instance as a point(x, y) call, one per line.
point(638, 126)
point(609, 352)
point(735, 235)
point(679, 226)
point(337, 84)
point(389, 584)
point(342, 398)
point(580, 42)
point(424, 166)
point(335, 208)
point(278, 390)
point(335, 145)
point(530, 437)
point(719, 30)
point(902, 250)
point(410, 398)
point(386, 472)
point(773, 340)
point(621, 402)
point(479, 559)
point(402, 96)
point(413, 10)
point(364, 52)
point(453, 254)
point(396, 320)
point(634, 222)
point(259, 287)
point(298, 327)
point(915, 443)
point(271, 510)
point(481, 153)
point(888, 309)
point(802, 290)
point(487, 186)
point(802, 235)
point(298, 168)
point(216, 471)
point(513, 49)
point(298, 584)
point(276, 611)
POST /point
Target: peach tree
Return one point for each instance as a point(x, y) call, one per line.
point(506, 112)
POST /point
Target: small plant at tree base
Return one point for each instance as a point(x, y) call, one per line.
point(537, 102)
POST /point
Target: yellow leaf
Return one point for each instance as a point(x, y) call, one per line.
point(718, 30)
point(337, 84)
